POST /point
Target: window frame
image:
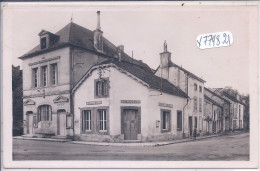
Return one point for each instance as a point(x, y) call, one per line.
point(179, 124)
point(195, 104)
point(200, 104)
point(35, 77)
point(102, 120)
point(48, 113)
point(54, 67)
point(195, 87)
point(168, 112)
point(44, 76)
point(85, 112)
point(200, 89)
point(104, 92)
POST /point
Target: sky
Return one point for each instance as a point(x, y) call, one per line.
point(143, 30)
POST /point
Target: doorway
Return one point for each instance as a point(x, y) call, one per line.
point(61, 122)
point(190, 125)
point(130, 124)
point(29, 123)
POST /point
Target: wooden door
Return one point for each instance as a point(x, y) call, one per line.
point(130, 122)
point(27, 124)
point(214, 126)
point(61, 123)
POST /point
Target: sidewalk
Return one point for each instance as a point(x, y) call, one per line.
point(146, 144)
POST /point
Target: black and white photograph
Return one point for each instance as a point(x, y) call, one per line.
point(130, 85)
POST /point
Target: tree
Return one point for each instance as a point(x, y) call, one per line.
point(17, 90)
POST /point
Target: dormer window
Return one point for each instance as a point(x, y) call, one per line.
point(47, 39)
point(43, 42)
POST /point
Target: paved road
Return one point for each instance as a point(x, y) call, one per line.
point(234, 147)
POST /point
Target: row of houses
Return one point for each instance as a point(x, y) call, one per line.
point(78, 84)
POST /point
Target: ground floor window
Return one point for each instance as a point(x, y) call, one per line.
point(44, 113)
point(196, 122)
point(179, 120)
point(102, 120)
point(86, 118)
point(165, 120)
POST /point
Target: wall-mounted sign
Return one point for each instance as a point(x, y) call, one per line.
point(131, 101)
point(165, 105)
point(94, 102)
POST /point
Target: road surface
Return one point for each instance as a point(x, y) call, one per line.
point(235, 147)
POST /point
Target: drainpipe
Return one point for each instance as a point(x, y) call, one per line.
point(183, 134)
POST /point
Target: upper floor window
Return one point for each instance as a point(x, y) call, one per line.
point(35, 77)
point(200, 88)
point(43, 42)
point(44, 76)
point(102, 88)
point(195, 103)
point(165, 120)
point(200, 104)
point(44, 113)
point(195, 87)
point(54, 74)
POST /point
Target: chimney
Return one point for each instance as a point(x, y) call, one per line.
point(98, 35)
point(98, 20)
point(165, 60)
point(120, 49)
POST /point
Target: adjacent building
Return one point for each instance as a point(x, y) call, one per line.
point(190, 84)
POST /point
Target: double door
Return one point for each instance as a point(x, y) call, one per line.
point(130, 124)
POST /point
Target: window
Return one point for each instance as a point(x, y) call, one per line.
point(43, 43)
point(86, 118)
point(102, 88)
point(200, 104)
point(44, 113)
point(35, 77)
point(196, 122)
point(200, 88)
point(44, 76)
point(179, 120)
point(195, 103)
point(165, 120)
point(53, 74)
point(195, 87)
point(102, 120)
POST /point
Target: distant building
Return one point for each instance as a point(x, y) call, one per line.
point(190, 84)
point(217, 110)
point(237, 108)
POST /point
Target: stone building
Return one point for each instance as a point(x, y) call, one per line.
point(190, 84)
point(117, 101)
point(64, 95)
point(223, 121)
point(237, 108)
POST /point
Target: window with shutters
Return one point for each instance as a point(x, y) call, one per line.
point(179, 120)
point(101, 88)
point(165, 120)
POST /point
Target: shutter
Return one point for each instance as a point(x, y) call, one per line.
point(82, 120)
point(97, 120)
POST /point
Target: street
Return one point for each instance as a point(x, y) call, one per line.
point(228, 147)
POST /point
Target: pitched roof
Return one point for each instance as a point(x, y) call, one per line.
point(149, 78)
point(215, 94)
point(75, 35)
point(186, 71)
point(229, 96)
point(211, 100)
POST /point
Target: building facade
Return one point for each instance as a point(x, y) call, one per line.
point(190, 84)
point(117, 101)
